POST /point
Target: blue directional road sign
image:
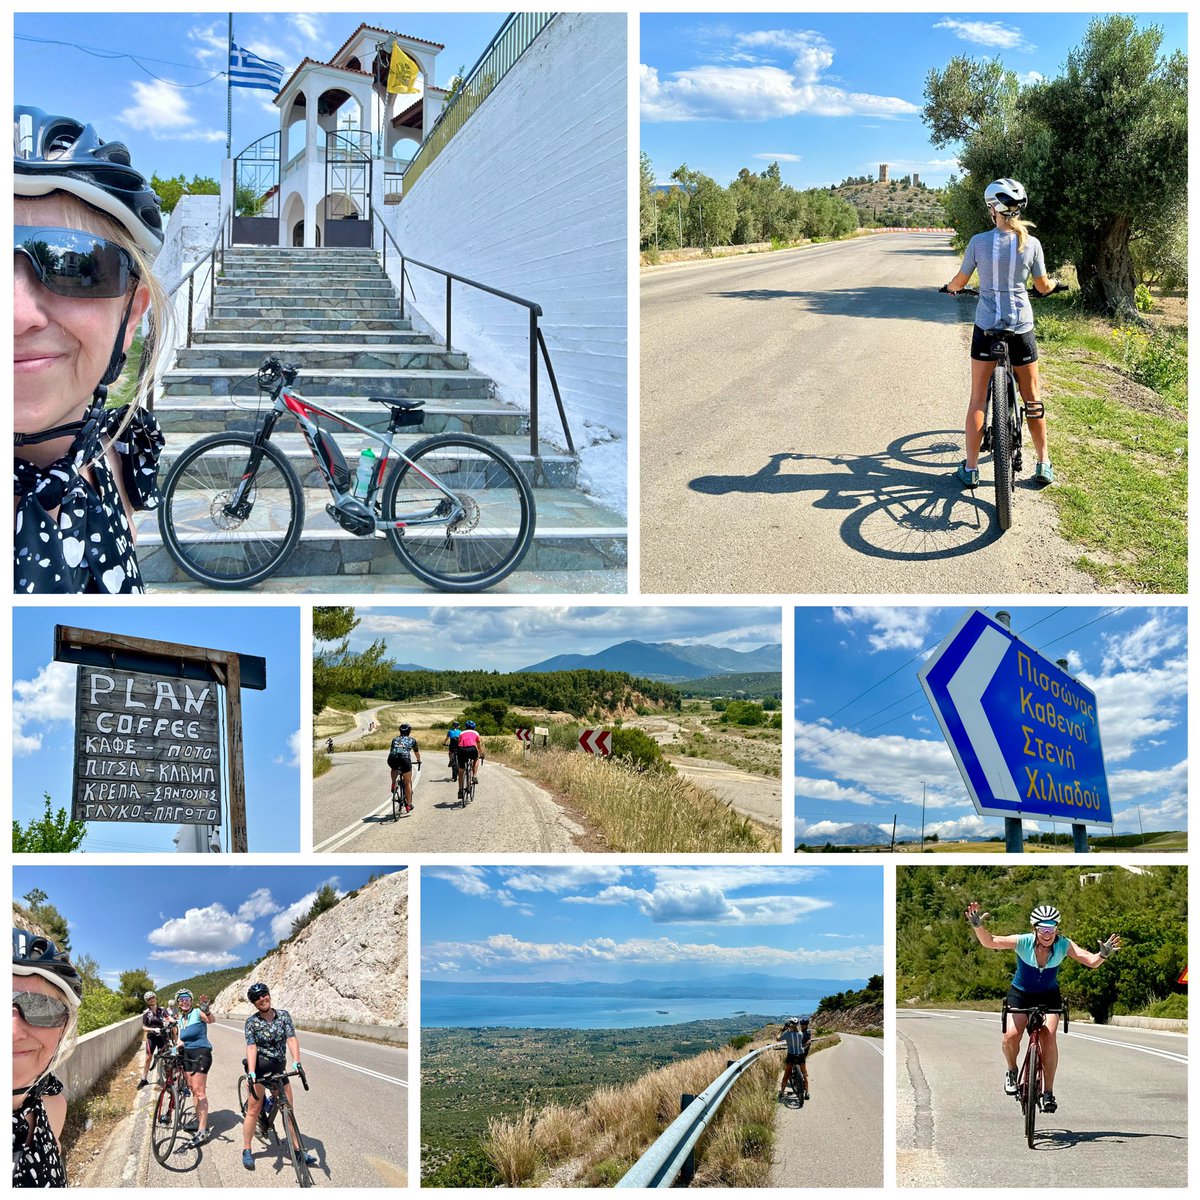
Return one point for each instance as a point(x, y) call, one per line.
point(1025, 734)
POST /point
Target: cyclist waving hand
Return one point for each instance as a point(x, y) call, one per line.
point(1035, 984)
point(1004, 256)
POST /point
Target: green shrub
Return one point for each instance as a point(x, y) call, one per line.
point(1142, 298)
point(101, 1007)
point(1174, 1007)
point(608, 1172)
point(651, 256)
point(465, 1168)
point(640, 747)
point(1157, 360)
point(744, 712)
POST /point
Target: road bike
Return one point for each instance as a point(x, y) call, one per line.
point(458, 511)
point(399, 804)
point(1030, 1079)
point(276, 1111)
point(466, 782)
point(173, 1106)
point(796, 1081)
point(1003, 416)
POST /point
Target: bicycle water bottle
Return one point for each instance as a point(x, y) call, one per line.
point(365, 475)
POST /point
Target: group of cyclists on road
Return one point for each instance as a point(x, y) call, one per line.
point(464, 747)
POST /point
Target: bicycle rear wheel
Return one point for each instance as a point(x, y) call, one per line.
point(168, 1114)
point(491, 536)
point(291, 1135)
point(219, 548)
point(1033, 1092)
point(1002, 445)
point(798, 1086)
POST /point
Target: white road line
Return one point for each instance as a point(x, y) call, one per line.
point(351, 1066)
point(352, 831)
point(1169, 1054)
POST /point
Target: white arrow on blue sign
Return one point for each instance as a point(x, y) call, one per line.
point(1025, 735)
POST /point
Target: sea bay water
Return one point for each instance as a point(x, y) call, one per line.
point(595, 1012)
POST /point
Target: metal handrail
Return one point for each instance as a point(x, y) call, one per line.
point(537, 342)
point(665, 1159)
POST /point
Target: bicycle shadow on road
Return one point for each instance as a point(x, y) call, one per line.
point(923, 304)
point(902, 504)
point(1065, 1139)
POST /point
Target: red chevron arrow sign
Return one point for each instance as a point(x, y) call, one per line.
point(596, 741)
point(524, 735)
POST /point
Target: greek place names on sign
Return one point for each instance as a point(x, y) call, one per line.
point(147, 748)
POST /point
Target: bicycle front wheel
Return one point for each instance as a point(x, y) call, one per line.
point(488, 527)
point(168, 1113)
point(1033, 1092)
point(295, 1148)
point(1002, 445)
point(219, 547)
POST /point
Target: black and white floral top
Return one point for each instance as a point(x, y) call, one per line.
point(271, 1037)
point(37, 1161)
point(88, 546)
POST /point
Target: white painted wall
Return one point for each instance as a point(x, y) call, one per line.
point(530, 197)
point(191, 231)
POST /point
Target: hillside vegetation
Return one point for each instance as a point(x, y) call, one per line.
point(742, 685)
point(939, 959)
point(897, 202)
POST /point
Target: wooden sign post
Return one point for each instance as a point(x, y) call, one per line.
point(147, 740)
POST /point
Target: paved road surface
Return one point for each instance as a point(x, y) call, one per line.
point(352, 811)
point(1121, 1120)
point(836, 1139)
point(801, 414)
point(361, 721)
point(355, 1119)
point(756, 796)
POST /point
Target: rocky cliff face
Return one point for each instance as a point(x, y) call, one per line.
point(851, 1020)
point(350, 964)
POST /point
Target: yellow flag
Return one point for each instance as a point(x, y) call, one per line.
point(403, 72)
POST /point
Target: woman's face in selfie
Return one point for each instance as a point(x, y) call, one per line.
point(33, 1047)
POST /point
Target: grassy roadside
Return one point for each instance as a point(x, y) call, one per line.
point(1117, 410)
point(639, 811)
point(92, 1119)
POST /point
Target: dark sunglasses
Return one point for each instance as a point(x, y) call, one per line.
point(70, 262)
point(41, 1011)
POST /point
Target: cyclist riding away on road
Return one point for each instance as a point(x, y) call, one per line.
point(1035, 984)
point(796, 1037)
point(270, 1041)
point(403, 751)
point(1004, 256)
point(451, 742)
point(470, 754)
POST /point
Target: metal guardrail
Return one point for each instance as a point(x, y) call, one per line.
point(668, 1156)
point(537, 341)
point(515, 36)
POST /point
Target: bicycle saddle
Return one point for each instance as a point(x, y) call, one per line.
point(397, 402)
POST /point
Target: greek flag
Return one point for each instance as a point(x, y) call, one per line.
point(248, 70)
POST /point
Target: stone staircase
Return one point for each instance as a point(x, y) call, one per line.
point(336, 314)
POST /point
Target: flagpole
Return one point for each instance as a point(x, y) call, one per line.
point(229, 95)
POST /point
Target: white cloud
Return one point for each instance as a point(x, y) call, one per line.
point(163, 111)
point(830, 789)
point(1134, 705)
point(47, 699)
point(281, 923)
point(760, 92)
point(203, 937)
point(1152, 640)
point(210, 44)
point(560, 879)
point(259, 903)
point(776, 157)
point(986, 33)
point(296, 744)
point(307, 25)
point(892, 628)
point(1029, 78)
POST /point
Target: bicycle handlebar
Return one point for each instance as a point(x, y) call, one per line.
point(1034, 294)
point(299, 1071)
point(1064, 1012)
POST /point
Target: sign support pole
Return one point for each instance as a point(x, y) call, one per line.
point(1078, 830)
point(239, 841)
point(1014, 831)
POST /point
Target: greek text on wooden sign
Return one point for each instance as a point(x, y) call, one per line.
point(147, 748)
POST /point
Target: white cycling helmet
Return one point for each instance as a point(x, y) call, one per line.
point(1045, 914)
point(1005, 195)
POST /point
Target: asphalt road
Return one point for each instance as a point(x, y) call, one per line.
point(352, 810)
point(354, 1118)
point(801, 415)
point(836, 1139)
point(1121, 1119)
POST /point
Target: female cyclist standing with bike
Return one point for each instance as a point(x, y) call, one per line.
point(1035, 983)
point(87, 227)
point(1004, 256)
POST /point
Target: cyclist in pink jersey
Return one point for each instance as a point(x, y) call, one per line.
point(470, 754)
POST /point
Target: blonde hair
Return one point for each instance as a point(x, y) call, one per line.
point(1018, 225)
point(159, 312)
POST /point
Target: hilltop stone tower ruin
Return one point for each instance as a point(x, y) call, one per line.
point(883, 172)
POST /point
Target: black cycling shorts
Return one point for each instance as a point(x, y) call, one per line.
point(156, 1039)
point(194, 1060)
point(1022, 347)
point(268, 1066)
point(1048, 999)
point(403, 765)
point(792, 1059)
point(467, 754)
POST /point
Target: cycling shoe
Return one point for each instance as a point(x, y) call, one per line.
point(1049, 1104)
point(1010, 1083)
point(967, 476)
point(1043, 474)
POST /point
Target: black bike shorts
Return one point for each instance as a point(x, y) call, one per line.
point(1019, 999)
point(397, 763)
point(467, 754)
point(196, 1060)
point(1022, 347)
point(794, 1059)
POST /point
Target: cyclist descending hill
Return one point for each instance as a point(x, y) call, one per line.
point(1004, 256)
point(470, 754)
point(403, 752)
point(1035, 984)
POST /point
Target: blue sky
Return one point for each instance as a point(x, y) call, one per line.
point(826, 95)
point(863, 757)
point(165, 103)
point(179, 921)
point(44, 713)
point(665, 922)
point(505, 639)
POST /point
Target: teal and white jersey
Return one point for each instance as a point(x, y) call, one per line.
point(1029, 976)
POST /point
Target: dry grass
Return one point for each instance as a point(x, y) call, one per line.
point(605, 1135)
point(640, 812)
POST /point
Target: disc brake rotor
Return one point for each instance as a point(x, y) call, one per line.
point(469, 518)
point(219, 515)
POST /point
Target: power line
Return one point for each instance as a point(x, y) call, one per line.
point(139, 60)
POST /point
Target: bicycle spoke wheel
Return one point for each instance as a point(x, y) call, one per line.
point(1002, 446)
point(291, 1135)
point(1034, 1093)
point(488, 527)
point(798, 1086)
point(217, 547)
point(168, 1112)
